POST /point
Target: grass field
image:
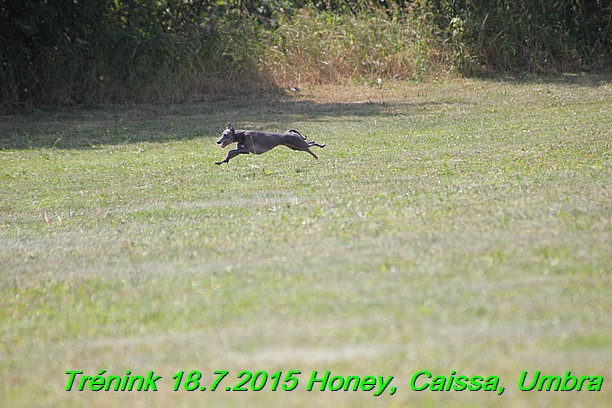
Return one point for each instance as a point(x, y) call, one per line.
point(457, 226)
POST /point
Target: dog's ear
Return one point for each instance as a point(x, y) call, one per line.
point(230, 127)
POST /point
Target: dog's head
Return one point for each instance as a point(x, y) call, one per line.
point(228, 136)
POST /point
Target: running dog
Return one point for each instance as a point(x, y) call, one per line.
point(253, 141)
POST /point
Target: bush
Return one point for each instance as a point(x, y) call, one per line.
point(532, 35)
point(327, 47)
point(62, 53)
point(57, 52)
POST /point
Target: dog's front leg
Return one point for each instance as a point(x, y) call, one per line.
point(231, 154)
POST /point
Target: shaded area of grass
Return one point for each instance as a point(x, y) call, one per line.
point(121, 125)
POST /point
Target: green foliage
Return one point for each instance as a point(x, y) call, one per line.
point(540, 35)
point(104, 51)
point(69, 52)
point(327, 47)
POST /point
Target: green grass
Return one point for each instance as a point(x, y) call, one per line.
point(459, 226)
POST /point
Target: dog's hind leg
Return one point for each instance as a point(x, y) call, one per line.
point(313, 155)
point(302, 147)
point(316, 144)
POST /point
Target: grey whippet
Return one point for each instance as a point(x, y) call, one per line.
point(253, 141)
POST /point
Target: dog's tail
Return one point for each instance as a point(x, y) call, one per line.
point(295, 131)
